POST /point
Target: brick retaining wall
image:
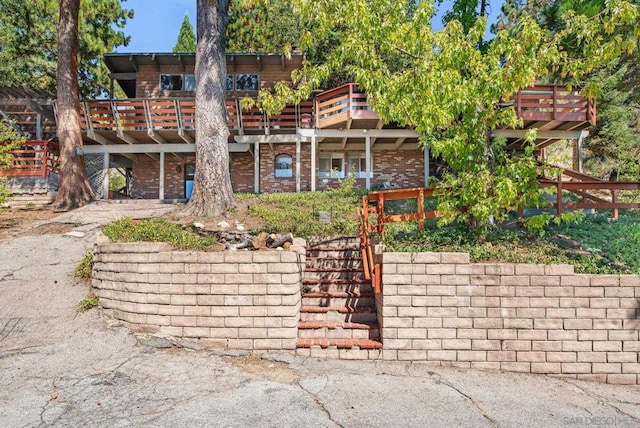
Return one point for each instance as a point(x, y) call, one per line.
point(241, 300)
point(529, 318)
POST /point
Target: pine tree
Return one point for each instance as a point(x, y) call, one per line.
point(186, 38)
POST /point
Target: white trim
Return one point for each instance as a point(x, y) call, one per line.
point(358, 133)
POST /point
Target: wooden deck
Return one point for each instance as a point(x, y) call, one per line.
point(172, 120)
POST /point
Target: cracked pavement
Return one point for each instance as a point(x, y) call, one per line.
point(62, 368)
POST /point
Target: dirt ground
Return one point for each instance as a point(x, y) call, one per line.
point(15, 222)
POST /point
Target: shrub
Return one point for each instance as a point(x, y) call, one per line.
point(157, 230)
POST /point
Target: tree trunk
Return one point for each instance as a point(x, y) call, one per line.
point(74, 190)
point(212, 194)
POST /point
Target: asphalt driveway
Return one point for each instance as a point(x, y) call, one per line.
point(62, 368)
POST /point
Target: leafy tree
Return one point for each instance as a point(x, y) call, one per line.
point(9, 140)
point(186, 38)
point(212, 193)
point(74, 190)
point(466, 12)
point(451, 89)
point(274, 26)
point(28, 42)
point(612, 150)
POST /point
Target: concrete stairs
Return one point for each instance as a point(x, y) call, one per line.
point(338, 313)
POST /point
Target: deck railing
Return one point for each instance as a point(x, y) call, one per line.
point(554, 102)
point(36, 158)
point(342, 104)
point(374, 203)
point(593, 193)
point(179, 114)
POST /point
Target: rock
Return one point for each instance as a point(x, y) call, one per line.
point(75, 234)
point(198, 225)
point(223, 225)
point(154, 341)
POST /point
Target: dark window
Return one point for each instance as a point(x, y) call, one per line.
point(171, 82)
point(229, 82)
point(247, 82)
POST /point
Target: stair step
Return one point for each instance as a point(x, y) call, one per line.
point(338, 333)
point(333, 269)
point(308, 325)
point(336, 248)
point(340, 343)
point(341, 281)
point(338, 309)
point(356, 294)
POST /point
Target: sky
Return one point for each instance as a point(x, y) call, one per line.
point(156, 23)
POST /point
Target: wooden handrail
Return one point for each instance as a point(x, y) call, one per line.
point(147, 114)
point(35, 158)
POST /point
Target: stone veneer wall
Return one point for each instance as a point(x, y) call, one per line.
point(240, 300)
point(529, 318)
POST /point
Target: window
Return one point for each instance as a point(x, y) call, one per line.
point(229, 82)
point(357, 164)
point(242, 82)
point(190, 82)
point(177, 82)
point(284, 166)
point(247, 82)
point(331, 165)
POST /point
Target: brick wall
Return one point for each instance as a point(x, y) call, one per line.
point(438, 307)
point(404, 168)
point(240, 300)
point(146, 173)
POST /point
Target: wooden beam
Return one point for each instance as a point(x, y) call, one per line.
point(126, 137)
point(123, 76)
point(155, 62)
point(155, 137)
point(135, 63)
point(399, 142)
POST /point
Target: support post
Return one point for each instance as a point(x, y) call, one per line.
point(313, 162)
point(256, 167)
point(39, 126)
point(161, 182)
point(298, 164)
point(427, 166)
point(367, 157)
point(105, 176)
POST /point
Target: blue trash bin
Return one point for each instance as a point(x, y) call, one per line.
point(188, 188)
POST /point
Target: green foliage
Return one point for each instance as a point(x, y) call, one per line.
point(84, 269)
point(9, 140)
point(604, 246)
point(297, 212)
point(186, 38)
point(273, 26)
point(28, 37)
point(156, 230)
point(89, 302)
point(612, 150)
point(449, 87)
point(116, 180)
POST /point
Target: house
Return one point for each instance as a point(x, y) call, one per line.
point(307, 147)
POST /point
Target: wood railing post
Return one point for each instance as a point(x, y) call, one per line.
point(518, 104)
point(380, 211)
point(614, 199)
point(43, 160)
point(555, 102)
point(421, 210)
point(559, 198)
point(350, 101)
